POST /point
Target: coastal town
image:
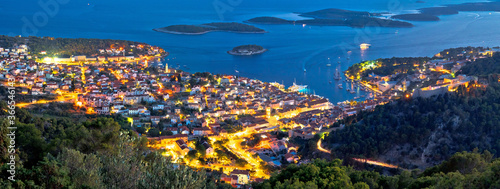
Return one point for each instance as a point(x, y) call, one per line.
point(239, 126)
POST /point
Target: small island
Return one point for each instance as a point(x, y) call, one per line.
point(210, 27)
point(247, 50)
point(416, 17)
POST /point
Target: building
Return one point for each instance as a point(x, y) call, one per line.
point(243, 176)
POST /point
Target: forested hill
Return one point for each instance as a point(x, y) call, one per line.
point(462, 170)
point(423, 132)
point(59, 153)
point(65, 47)
point(483, 66)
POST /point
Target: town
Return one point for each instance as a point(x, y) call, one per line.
point(239, 126)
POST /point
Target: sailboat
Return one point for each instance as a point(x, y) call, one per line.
point(352, 89)
point(337, 73)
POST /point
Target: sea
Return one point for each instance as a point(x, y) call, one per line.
point(291, 48)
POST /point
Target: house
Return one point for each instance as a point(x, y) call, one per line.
point(182, 146)
point(291, 158)
point(184, 130)
point(208, 148)
point(242, 175)
point(200, 131)
point(173, 130)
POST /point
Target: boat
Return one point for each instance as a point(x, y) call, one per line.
point(352, 92)
point(364, 46)
point(296, 88)
point(340, 86)
point(337, 73)
point(305, 70)
point(330, 82)
point(328, 65)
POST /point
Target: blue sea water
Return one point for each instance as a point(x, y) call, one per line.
point(291, 48)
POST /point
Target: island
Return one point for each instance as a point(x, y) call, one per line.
point(247, 50)
point(416, 17)
point(336, 17)
point(210, 27)
point(438, 11)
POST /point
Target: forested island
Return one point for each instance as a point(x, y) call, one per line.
point(210, 27)
point(336, 17)
point(247, 50)
point(416, 17)
point(432, 13)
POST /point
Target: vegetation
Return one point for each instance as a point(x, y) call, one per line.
point(59, 153)
point(462, 51)
point(215, 26)
point(65, 47)
point(416, 17)
point(425, 130)
point(388, 66)
point(337, 14)
point(483, 66)
point(247, 50)
point(462, 170)
point(438, 11)
point(269, 20)
point(354, 21)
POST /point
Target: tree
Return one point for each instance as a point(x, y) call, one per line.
point(154, 132)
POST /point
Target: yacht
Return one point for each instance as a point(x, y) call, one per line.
point(337, 73)
point(364, 46)
point(296, 88)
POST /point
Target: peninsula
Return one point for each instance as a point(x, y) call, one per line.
point(210, 27)
point(247, 50)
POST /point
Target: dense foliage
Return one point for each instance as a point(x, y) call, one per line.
point(416, 17)
point(59, 153)
point(483, 66)
point(214, 26)
point(65, 47)
point(387, 66)
point(462, 170)
point(428, 130)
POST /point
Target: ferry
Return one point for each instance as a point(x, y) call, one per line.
point(296, 88)
point(364, 46)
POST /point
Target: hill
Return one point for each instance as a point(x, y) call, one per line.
point(423, 132)
point(65, 47)
point(462, 170)
point(97, 153)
